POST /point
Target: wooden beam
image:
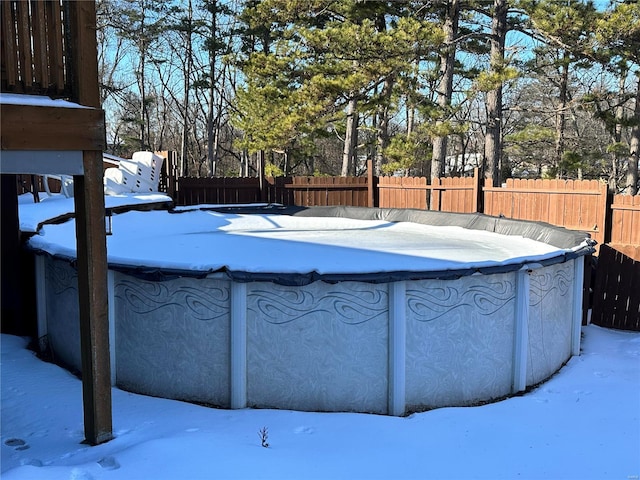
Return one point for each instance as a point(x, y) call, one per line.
point(24, 44)
point(9, 57)
point(10, 298)
point(84, 48)
point(28, 127)
point(56, 47)
point(40, 48)
point(93, 298)
point(39, 128)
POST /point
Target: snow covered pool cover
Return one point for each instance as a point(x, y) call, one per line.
point(305, 245)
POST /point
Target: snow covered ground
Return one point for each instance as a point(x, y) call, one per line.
point(583, 423)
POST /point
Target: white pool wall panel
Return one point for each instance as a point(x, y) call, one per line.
point(321, 347)
point(173, 338)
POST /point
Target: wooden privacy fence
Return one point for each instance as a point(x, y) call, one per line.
point(451, 194)
point(194, 191)
point(326, 191)
point(616, 294)
point(403, 192)
point(302, 191)
point(456, 194)
point(583, 205)
point(625, 225)
point(576, 205)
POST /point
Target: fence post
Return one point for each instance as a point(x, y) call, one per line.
point(169, 172)
point(487, 191)
point(477, 191)
point(436, 195)
point(260, 162)
point(370, 185)
point(607, 213)
point(172, 177)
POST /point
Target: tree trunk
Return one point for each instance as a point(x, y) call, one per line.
point(382, 138)
point(185, 104)
point(285, 162)
point(438, 156)
point(141, 75)
point(445, 88)
point(617, 135)
point(354, 143)
point(560, 115)
point(212, 143)
point(217, 121)
point(143, 103)
point(493, 136)
point(411, 119)
point(411, 103)
point(350, 138)
point(631, 183)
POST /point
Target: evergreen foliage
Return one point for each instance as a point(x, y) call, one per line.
point(320, 86)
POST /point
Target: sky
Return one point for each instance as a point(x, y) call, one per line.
point(583, 423)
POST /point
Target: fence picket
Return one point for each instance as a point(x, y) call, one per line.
point(625, 220)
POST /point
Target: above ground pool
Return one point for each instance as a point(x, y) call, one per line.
point(324, 309)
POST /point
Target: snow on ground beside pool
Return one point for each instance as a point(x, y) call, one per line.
point(583, 423)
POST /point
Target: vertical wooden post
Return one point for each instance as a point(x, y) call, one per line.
point(370, 184)
point(606, 200)
point(93, 295)
point(10, 258)
point(436, 195)
point(172, 182)
point(84, 53)
point(488, 198)
point(477, 191)
point(260, 162)
point(91, 240)
point(169, 171)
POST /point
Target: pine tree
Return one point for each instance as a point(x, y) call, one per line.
point(565, 32)
point(325, 58)
point(493, 135)
point(445, 87)
point(618, 34)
